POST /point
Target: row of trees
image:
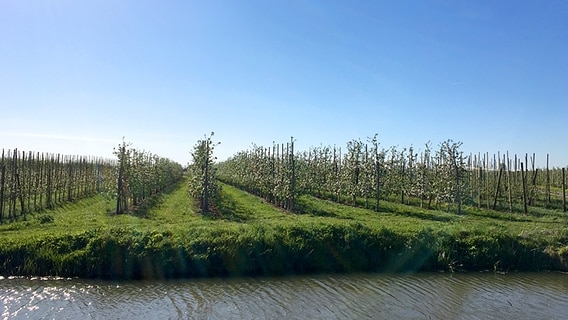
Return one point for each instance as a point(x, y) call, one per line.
point(504, 182)
point(141, 175)
point(365, 173)
point(269, 173)
point(32, 181)
point(203, 186)
point(361, 174)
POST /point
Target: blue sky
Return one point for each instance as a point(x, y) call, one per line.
point(77, 76)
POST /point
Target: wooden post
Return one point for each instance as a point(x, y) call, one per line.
point(69, 179)
point(523, 178)
point(42, 170)
point(547, 183)
point(526, 172)
point(88, 164)
point(563, 189)
point(533, 182)
point(458, 178)
point(60, 181)
point(532, 192)
point(471, 175)
point(30, 178)
point(516, 170)
point(205, 194)
point(402, 174)
point(338, 176)
point(422, 174)
point(13, 194)
point(291, 207)
point(334, 172)
point(509, 183)
point(433, 174)
point(2, 180)
point(366, 186)
point(120, 194)
point(497, 188)
point(19, 188)
point(272, 173)
point(479, 186)
point(378, 182)
point(50, 163)
point(282, 200)
point(56, 179)
point(20, 194)
point(487, 178)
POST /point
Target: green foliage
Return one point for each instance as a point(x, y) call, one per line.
point(267, 172)
point(33, 181)
point(450, 174)
point(440, 178)
point(46, 218)
point(203, 175)
point(142, 175)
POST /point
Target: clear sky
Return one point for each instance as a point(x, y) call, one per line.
point(77, 76)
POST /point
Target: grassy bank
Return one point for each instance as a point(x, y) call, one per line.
point(253, 238)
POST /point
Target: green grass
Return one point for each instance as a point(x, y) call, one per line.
point(251, 237)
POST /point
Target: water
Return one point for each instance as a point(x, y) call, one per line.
point(360, 296)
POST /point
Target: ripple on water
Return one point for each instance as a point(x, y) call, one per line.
point(419, 296)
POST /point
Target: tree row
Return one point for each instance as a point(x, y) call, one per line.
point(33, 181)
point(363, 173)
point(142, 175)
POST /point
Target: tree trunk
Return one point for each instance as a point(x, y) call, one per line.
point(121, 200)
point(205, 195)
point(497, 188)
point(378, 185)
point(509, 183)
point(524, 180)
point(479, 186)
point(458, 186)
point(563, 190)
point(2, 181)
point(548, 202)
point(292, 176)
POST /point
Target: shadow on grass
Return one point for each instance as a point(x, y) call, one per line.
point(307, 207)
point(488, 214)
point(425, 216)
point(142, 210)
point(231, 211)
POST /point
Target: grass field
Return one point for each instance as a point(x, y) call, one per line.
point(168, 239)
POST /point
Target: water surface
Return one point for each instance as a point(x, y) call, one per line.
point(359, 296)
